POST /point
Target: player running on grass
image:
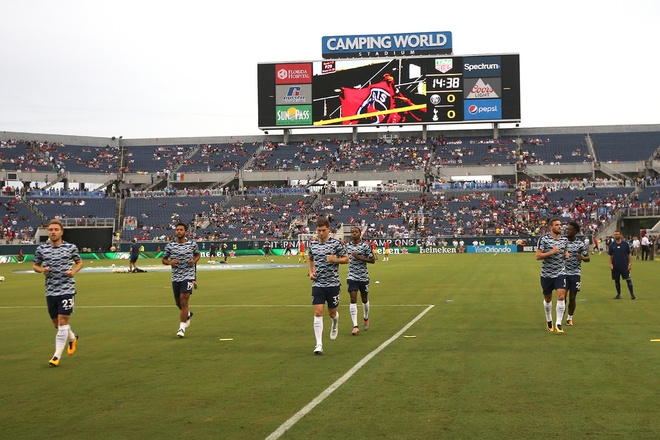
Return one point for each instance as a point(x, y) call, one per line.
point(551, 249)
point(359, 253)
point(325, 254)
point(182, 254)
point(59, 261)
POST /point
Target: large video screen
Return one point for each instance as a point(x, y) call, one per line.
point(398, 91)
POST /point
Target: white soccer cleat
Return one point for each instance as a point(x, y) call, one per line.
point(318, 349)
point(181, 333)
point(334, 330)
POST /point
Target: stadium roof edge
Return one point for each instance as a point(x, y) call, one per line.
point(433, 130)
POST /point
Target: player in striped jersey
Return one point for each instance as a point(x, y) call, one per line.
point(325, 254)
point(182, 254)
point(577, 253)
point(551, 249)
point(359, 253)
point(59, 261)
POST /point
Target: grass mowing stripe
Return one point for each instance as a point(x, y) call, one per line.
point(321, 397)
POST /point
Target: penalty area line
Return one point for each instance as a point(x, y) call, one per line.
point(339, 382)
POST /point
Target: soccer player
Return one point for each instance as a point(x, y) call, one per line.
point(301, 252)
point(359, 254)
point(596, 246)
point(59, 261)
point(325, 254)
point(620, 263)
point(551, 248)
point(387, 251)
point(577, 253)
point(182, 254)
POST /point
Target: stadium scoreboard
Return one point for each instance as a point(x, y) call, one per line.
point(397, 91)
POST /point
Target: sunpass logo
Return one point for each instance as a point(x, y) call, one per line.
point(294, 115)
point(483, 109)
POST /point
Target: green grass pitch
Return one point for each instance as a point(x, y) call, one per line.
point(481, 364)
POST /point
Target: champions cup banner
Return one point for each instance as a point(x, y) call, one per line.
point(387, 45)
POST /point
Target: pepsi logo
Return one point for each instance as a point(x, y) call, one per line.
point(473, 109)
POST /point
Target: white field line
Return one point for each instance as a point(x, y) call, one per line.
point(202, 306)
point(321, 397)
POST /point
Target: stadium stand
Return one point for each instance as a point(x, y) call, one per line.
point(146, 159)
point(82, 159)
point(65, 207)
point(18, 222)
point(626, 147)
point(23, 156)
point(303, 156)
point(220, 157)
point(157, 216)
point(258, 207)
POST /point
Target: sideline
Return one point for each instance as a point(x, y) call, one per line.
point(321, 397)
point(164, 268)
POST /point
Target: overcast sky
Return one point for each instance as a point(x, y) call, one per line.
point(153, 69)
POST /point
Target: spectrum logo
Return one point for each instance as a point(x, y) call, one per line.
point(483, 109)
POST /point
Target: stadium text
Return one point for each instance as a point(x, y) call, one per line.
point(492, 249)
point(425, 42)
point(438, 250)
point(385, 42)
point(482, 66)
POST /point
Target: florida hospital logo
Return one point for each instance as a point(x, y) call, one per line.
point(378, 100)
point(282, 74)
